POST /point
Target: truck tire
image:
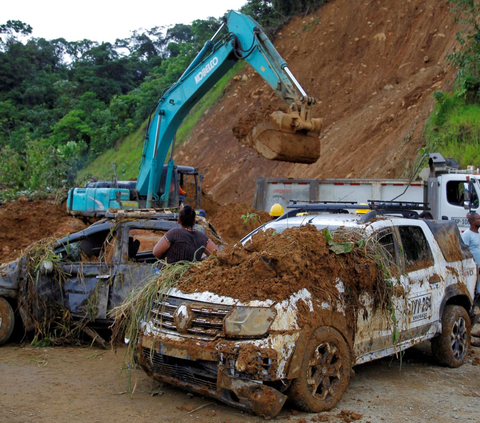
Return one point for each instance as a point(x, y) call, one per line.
point(7, 320)
point(324, 373)
point(451, 346)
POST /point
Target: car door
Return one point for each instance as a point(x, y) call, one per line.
point(137, 266)
point(89, 270)
point(375, 329)
point(422, 280)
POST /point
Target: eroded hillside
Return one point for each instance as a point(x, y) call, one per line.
point(372, 65)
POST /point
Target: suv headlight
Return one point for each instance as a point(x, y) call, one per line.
point(249, 321)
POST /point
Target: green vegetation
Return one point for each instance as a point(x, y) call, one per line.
point(454, 126)
point(128, 153)
point(62, 104)
point(454, 129)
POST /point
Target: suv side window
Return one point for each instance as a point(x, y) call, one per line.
point(415, 248)
point(387, 241)
point(141, 243)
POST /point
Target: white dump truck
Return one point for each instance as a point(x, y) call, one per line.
point(441, 189)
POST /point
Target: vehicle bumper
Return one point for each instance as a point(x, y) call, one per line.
point(239, 373)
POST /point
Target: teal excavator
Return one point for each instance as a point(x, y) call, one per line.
point(291, 137)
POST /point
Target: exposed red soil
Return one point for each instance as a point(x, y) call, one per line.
point(233, 221)
point(24, 222)
point(276, 265)
point(373, 68)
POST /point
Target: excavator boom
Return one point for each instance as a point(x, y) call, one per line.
point(292, 136)
point(289, 136)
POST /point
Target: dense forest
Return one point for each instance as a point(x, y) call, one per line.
point(62, 103)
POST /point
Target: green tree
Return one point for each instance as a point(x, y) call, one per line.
point(467, 59)
point(11, 31)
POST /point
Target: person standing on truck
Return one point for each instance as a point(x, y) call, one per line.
point(184, 243)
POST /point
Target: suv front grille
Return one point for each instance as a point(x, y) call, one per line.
point(207, 319)
point(199, 374)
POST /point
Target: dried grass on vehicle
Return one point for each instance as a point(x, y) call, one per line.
point(41, 297)
point(138, 307)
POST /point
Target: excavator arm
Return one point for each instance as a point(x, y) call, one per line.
point(289, 136)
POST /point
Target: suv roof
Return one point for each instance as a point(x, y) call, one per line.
point(336, 215)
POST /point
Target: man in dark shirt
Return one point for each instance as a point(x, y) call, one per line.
point(184, 243)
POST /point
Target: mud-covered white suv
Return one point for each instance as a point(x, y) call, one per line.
point(209, 344)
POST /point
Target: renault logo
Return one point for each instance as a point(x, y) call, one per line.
point(182, 318)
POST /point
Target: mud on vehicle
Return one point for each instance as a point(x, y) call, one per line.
point(254, 353)
point(87, 273)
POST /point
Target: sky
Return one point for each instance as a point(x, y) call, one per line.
point(106, 20)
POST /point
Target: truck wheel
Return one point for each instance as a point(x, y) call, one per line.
point(451, 346)
point(324, 373)
point(7, 320)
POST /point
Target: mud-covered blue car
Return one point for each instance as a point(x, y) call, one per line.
point(87, 273)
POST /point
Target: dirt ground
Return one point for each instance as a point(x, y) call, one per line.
point(83, 385)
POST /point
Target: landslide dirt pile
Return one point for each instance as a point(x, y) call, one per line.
point(373, 68)
point(234, 221)
point(275, 265)
point(24, 222)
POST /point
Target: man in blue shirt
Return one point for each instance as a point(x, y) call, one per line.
point(471, 237)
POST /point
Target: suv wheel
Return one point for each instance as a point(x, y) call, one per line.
point(7, 320)
point(451, 346)
point(324, 374)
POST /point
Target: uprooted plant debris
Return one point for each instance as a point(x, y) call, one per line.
point(41, 298)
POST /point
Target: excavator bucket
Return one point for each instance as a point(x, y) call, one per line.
point(281, 136)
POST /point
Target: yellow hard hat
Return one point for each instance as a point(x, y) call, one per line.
point(276, 210)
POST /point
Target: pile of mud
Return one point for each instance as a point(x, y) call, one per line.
point(23, 222)
point(233, 221)
point(276, 265)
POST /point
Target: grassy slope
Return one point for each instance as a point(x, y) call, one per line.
point(454, 129)
point(127, 153)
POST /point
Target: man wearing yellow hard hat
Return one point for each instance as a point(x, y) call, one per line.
point(276, 210)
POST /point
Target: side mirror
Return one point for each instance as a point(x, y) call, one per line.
point(466, 200)
point(467, 195)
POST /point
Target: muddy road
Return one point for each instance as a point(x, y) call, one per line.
point(60, 384)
